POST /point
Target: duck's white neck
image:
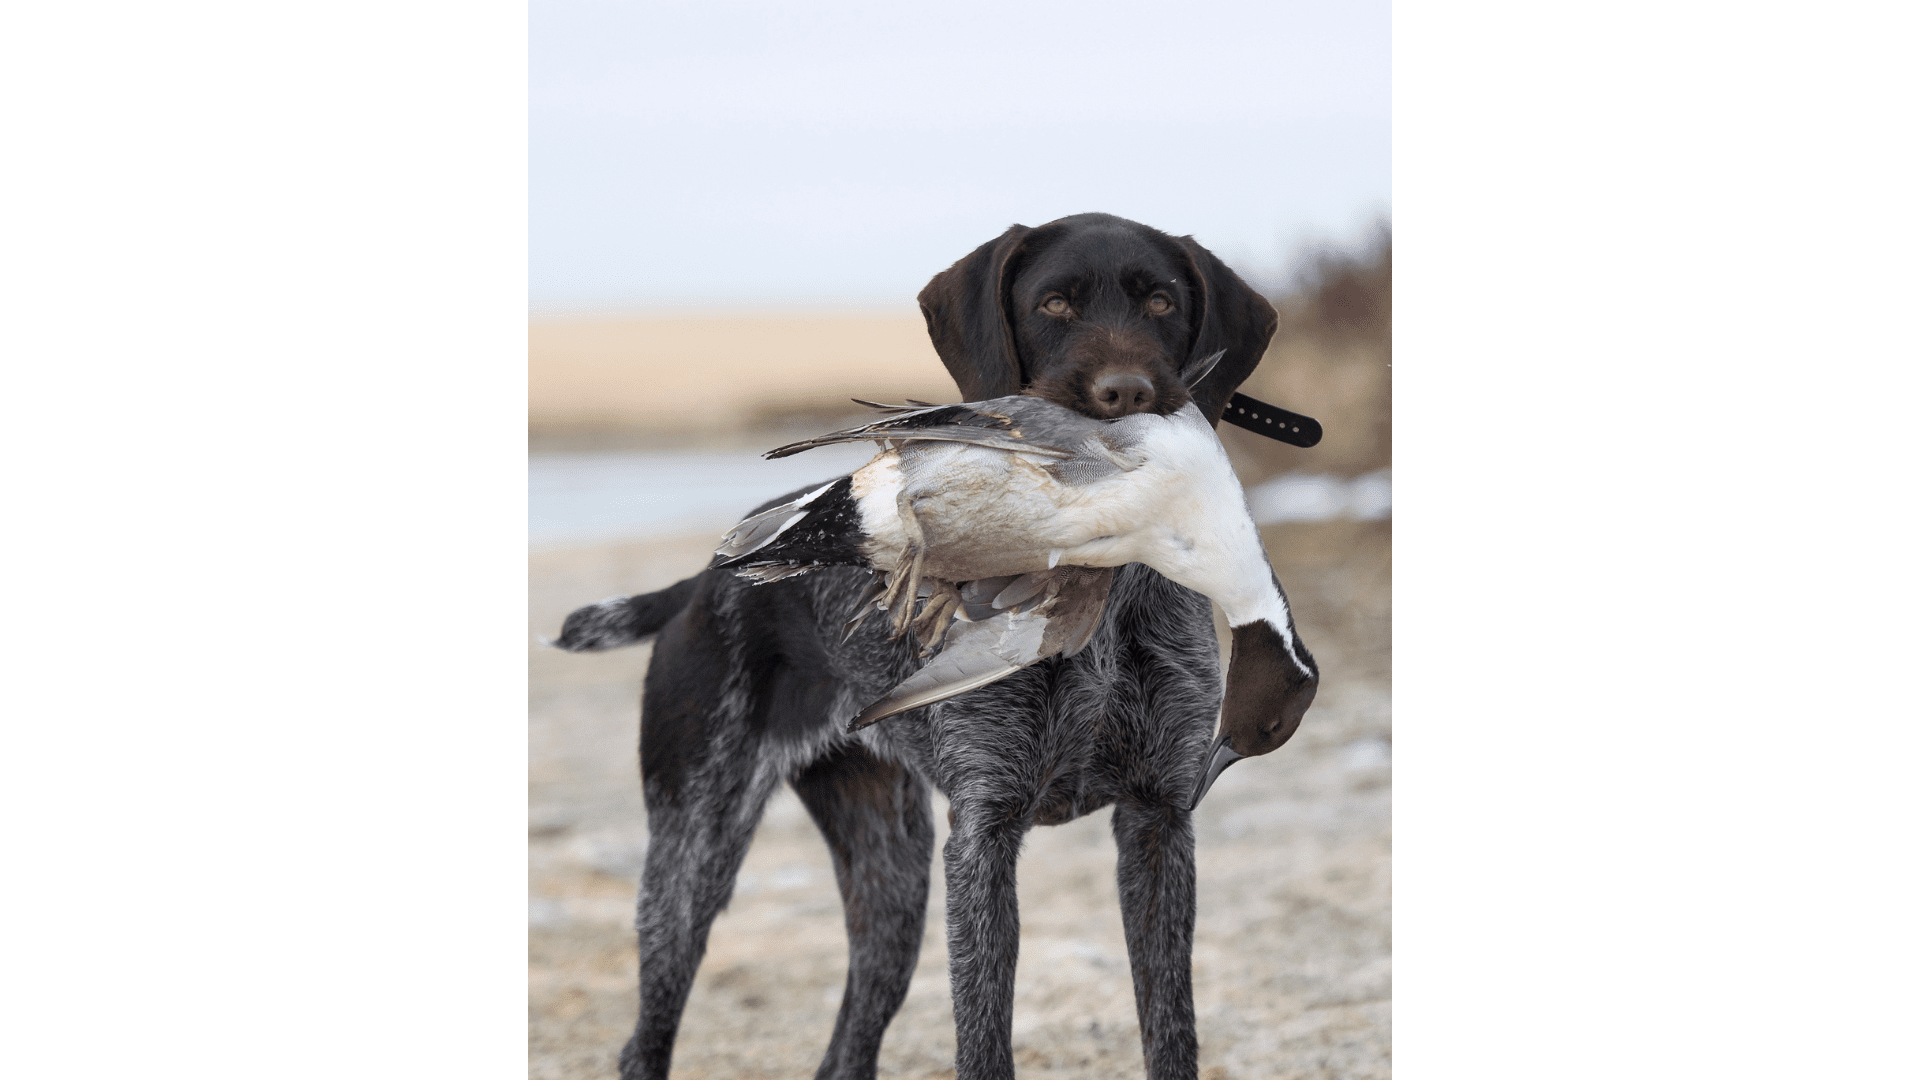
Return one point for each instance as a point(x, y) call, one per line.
point(1207, 540)
point(1259, 599)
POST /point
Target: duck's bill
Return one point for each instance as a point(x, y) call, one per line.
point(1219, 756)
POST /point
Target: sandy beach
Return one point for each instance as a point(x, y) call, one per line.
point(677, 378)
point(1292, 974)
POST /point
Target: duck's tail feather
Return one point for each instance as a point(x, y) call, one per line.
point(816, 528)
point(912, 405)
point(623, 620)
point(763, 528)
point(1200, 369)
point(932, 423)
point(996, 440)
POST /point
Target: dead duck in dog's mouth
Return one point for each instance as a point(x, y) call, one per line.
point(1008, 516)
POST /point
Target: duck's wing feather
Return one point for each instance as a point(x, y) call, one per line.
point(1074, 613)
point(976, 654)
point(755, 533)
point(984, 652)
point(1025, 424)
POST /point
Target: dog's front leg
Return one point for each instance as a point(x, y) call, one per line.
point(983, 937)
point(1157, 904)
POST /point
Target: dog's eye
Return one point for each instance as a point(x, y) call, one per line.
point(1159, 304)
point(1054, 305)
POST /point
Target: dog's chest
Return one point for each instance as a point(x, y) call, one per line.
point(1070, 734)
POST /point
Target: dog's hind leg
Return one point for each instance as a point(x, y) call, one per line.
point(1156, 876)
point(694, 850)
point(706, 769)
point(878, 825)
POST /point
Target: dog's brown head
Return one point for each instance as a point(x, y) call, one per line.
point(1096, 313)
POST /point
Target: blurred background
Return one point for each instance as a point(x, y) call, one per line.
point(732, 208)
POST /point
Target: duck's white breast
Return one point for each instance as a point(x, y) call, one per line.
point(984, 512)
point(876, 489)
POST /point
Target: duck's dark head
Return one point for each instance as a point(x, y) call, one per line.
point(1271, 680)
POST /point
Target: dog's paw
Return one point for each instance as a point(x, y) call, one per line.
point(608, 624)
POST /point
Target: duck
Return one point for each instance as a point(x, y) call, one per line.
point(1003, 521)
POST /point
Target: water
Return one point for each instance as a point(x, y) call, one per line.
point(1314, 497)
point(590, 498)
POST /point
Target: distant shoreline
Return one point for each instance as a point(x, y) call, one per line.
point(614, 379)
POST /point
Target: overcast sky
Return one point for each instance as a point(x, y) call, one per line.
point(782, 153)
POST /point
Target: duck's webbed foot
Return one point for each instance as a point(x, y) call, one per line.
point(943, 603)
point(903, 588)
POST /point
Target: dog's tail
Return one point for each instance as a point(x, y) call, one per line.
point(623, 620)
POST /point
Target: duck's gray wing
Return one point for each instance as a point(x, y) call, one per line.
point(980, 653)
point(976, 654)
point(1020, 423)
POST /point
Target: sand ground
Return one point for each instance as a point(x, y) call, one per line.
point(1292, 970)
point(696, 377)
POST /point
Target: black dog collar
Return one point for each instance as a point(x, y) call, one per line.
point(1271, 420)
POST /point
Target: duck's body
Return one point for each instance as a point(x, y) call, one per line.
point(1008, 514)
point(1152, 489)
point(1052, 488)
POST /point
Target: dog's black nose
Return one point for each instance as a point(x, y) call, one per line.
point(1122, 393)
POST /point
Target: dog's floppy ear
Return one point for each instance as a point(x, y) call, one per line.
point(1232, 317)
point(965, 307)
